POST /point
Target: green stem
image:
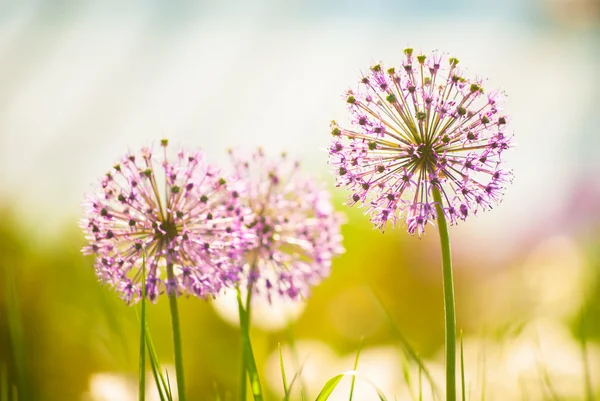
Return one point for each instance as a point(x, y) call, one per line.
point(248, 355)
point(176, 337)
point(244, 321)
point(448, 298)
point(142, 367)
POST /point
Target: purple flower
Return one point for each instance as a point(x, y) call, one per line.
point(297, 230)
point(421, 126)
point(150, 213)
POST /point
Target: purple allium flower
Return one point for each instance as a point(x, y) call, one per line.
point(297, 230)
point(421, 126)
point(180, 215)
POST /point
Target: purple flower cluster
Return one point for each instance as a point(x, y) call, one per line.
point(182, 227)
point(419, 127)
point(177, 225)
point(297, 230)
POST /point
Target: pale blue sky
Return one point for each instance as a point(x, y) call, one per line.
point(85, 81)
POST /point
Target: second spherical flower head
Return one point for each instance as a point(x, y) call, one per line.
point(296, 228)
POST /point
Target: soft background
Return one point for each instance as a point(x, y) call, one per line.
point(82, 82)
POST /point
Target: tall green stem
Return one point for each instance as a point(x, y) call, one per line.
point(244, 322)
point(142, 361)
point(448, 298)
point(176, 338)
point(248, 355)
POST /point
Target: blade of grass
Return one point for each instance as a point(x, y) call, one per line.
point(15, 332)
point(462, 367)
point(159, 387)
point(297, 376)
point(328, 388)
point(405, 346)
point(295, 359)
point(332, 383)
point(119, 348)
point(159, 378)
point(360, 345)
point(247, 349)
point(406, 365)
point(169, 383)
point(283, 376)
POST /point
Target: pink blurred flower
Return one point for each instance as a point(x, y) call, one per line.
point(297, 229)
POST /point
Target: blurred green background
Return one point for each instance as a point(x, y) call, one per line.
point(85, 81)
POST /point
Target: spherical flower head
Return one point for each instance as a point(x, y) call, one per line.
point(297, 229)
point(418, 127)
point(173, 224)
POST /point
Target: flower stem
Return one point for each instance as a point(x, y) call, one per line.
point(248, 354)
point(448, 298)
point(176, 337)
point(142, 361)
point(244, 317)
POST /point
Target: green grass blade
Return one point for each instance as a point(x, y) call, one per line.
point(159, 388)
point(332, 383)
point(406, 366)
point(248, 352)
point(142, 362)
point(296, 360)
point(462, 366)
point(15, 332)
point(170, 390)
point(360, 345)
point(404, 344)
point(159, 378)
point(283, 376)
point(297, 377)
point(329, 387)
